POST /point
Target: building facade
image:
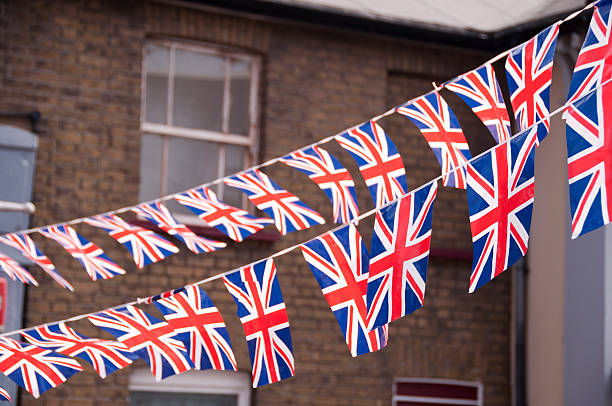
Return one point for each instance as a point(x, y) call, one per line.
point(140, 99)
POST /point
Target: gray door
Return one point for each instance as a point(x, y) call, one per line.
point(17, 157)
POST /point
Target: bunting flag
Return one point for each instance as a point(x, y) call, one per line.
point(93, 259)
point(159, 215)
point(438, 124)
point(379, 162)
point(500, 199)
point(145, 246)
point(529, 73)
point(480, 90)
point(33, 368)
point(4, 395)
point(588, 138)
point(15, 271)
point(589, 162)
point(331, 176)
point(400, 252)
point(235, 222)
point(28, 249)
point(339, 261)
point(594, 63)
point(191, 311)
point(148, 337)
point(287, 210)
point(261, 309)
point(105, 356)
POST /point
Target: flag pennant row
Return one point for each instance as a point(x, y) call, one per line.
point(236, 223)
point(594, 63)
point(364, 292)
point(589, 162)
point(33, 368)
point(4, 395)
point(159, 215)
point(287, 210)
point(480, 90)
point(145, 246)
point(339, 260)
point(262, 312)
point(500, 201)
point(97, 264)
point(191, 311)
point(438, 124)
point(105, 356)
point(399, 256)
point(379, 162)
point(15, 271)
point(331, 176)
point(148, 337)
point(28, 249)
point(529, 74)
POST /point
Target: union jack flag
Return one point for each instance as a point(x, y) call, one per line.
point(589, 149)
point(33, 368)
point(339, 261)
point(400, 251)
point(287, 210)
point(529, 73)
point(148, 337)
point(105, 356)
point(261, 309)
point(146, 246)
point(594, 63)
point(480, 90)
point(161, 216)
point(235, 222)
point(438, 124)
point(500, 199)
point(15, 271)
point(4, 395)
point(28, 249)
point(191, 311)
point(379, 162)
point(94, 260)
point(333, 178)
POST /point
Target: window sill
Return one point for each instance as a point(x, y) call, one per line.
point(211, 232)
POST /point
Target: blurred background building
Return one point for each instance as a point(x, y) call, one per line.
point(107, 103)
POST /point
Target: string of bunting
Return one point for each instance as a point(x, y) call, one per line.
point(378, 160)
point(383, 285)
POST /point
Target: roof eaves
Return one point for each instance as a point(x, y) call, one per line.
point(416, 31)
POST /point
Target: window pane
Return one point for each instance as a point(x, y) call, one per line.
point(181, 399)
point(156, 83)
point(150, 167)
point(234, 162)
point(239, 90)
point(191, 163)
point(198, 90)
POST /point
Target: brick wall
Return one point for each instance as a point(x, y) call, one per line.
point(79, 63)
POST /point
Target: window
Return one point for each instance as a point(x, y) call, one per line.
point(436, 392)
point(201, 388)
point(199, 118)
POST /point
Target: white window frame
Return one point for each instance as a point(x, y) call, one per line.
point(406, 398)
point(223, 137)
point(194, 382)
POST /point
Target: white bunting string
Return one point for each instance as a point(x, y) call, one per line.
point(319, 142)
point(353, 221)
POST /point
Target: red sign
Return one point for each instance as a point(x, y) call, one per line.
point(3, 302)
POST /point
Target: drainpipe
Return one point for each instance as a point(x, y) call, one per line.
point(520, 315)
